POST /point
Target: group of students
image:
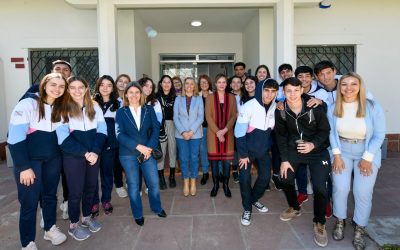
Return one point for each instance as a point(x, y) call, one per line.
point(330, 124)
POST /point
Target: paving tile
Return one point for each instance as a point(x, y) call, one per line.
point(217, 232)
point(193, 205)
point(165, 233)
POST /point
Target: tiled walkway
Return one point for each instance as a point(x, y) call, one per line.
point(203, 223)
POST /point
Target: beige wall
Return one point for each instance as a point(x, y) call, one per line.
point(373, 27)
point(26, 24)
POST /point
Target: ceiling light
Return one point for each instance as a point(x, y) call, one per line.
point(196, 23)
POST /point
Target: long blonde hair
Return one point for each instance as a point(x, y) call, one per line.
point(362, 99)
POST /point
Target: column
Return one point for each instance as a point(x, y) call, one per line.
point(106, 35)
point(284, 34)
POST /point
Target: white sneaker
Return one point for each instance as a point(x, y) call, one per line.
point(30, 246)
point(246, 218)
point(260, 207)
point(41, 220)
point(121, 192)
point(64, 209)
point(55, 235)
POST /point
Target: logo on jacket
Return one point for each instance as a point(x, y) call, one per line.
point(324, 163)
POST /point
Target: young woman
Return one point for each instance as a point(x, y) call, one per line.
point(236, 86)
point(148, 88)
point(37, 158)
point(137, 131)
point(262, 73)
point(357, 133)
point(205, 90)
point(105, 94)
point(188, 117)
point(249, 89)
point(121, 82)
point(221, 115)
point(166, 97)
point(81, 137)
point(176, 80)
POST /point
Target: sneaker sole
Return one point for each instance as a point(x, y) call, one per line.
point(56, 243)
point(73, 236)
point(245, 223)
point(260, 210)
point(303, 202)
point(91, 230)
point(319, 244)
point(288, 219)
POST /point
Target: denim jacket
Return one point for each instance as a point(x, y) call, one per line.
point(376, 129)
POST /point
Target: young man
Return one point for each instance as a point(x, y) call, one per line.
point(325, 73)
point(59, 66)
point(252, 133)
point(240, 71)
point(319, 94)
point(303, 138)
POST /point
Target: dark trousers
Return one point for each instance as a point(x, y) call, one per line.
point(118, 172)
point(252, 194)
point(320, 167)
point(47, 175)
point(226, 165)
point(301, 180)
point(82, 182)
point(276, 156)
point(64, 184)
point(107, 164)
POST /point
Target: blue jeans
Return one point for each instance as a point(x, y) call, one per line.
point(149, 169)
point(46, 182)
point(363, 186)
point(189, 156)
point(204, 152)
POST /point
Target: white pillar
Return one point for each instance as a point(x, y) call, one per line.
point(106, 34)
point(284, 34)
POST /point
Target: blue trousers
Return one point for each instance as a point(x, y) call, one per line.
point(47, 174)
point(189, 157)
point(108, 162)
point(82, 181)
point(131, 166)
point(204, 152)
point(363, 186)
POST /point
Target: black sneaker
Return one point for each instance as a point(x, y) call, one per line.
point(277, 182)
point(260, 207)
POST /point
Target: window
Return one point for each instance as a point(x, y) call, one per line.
point(84, 63)
point(343, 57)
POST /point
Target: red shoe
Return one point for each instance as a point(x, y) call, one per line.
point(108, 208)
point(95, 210)
point(301, 198)
point(329, 210)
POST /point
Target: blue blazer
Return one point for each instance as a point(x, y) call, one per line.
point(128, 134)
point(189, 122)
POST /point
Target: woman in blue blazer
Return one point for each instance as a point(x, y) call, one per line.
point(137, 131)
point(188, 118)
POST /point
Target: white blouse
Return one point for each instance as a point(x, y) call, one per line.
point(136, 115)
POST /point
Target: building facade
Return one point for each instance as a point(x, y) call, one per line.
point(254, 31)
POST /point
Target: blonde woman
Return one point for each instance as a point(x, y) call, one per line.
point(188, 117)
point(357, 133)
